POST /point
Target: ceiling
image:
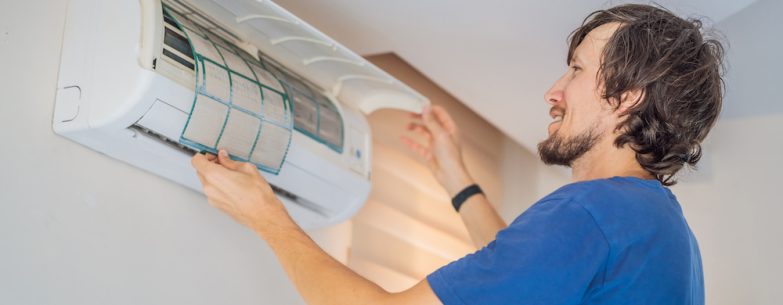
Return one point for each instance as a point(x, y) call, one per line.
point(498, 57)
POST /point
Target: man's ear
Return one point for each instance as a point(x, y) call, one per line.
point(629, 100)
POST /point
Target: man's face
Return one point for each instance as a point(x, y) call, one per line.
point(581, 116)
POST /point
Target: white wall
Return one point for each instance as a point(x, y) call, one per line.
point(734, 210)
point(77, 227)
point(734, 204)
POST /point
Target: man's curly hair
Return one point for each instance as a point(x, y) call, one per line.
point(678, 70)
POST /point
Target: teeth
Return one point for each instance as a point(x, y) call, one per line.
point(558, 118)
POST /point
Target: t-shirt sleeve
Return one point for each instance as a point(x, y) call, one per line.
point(549, 255)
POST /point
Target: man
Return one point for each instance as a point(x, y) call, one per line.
point(642, 90)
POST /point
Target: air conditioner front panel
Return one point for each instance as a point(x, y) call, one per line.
point(126, 91)
point(335, 69)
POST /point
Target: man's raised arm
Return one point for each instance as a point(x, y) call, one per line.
point(443, 155)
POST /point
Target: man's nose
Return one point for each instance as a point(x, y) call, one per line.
point(554, 95)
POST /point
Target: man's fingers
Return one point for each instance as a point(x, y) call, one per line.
point(211, 157)
point(201, 163)
point(250, 168)
point(444, 119)
point(227, 162)
point(417, 148)
point(207, 170)
point(420, 129)
point(430, 122)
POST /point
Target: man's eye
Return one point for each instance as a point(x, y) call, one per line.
point(576, 68)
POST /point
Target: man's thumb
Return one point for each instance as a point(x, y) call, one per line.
point(225, 160)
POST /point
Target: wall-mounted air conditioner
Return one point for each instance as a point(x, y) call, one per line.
point(150, 83)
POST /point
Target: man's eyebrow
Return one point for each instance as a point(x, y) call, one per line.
point(575, 58)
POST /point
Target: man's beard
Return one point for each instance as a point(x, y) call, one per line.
point(557, 150)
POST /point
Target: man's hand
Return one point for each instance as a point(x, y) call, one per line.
point(444, 157)
point(442, 150)
point(239, 190)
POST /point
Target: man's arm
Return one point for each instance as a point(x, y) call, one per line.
point(241, 192)
point(481, 219)
point(443, 155)
point(320, 279)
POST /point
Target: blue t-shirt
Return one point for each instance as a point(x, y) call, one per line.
point(611, 241)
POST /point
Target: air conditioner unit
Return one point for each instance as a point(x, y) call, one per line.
point(133, 74)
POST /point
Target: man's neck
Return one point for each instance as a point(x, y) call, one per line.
point(605, 160)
